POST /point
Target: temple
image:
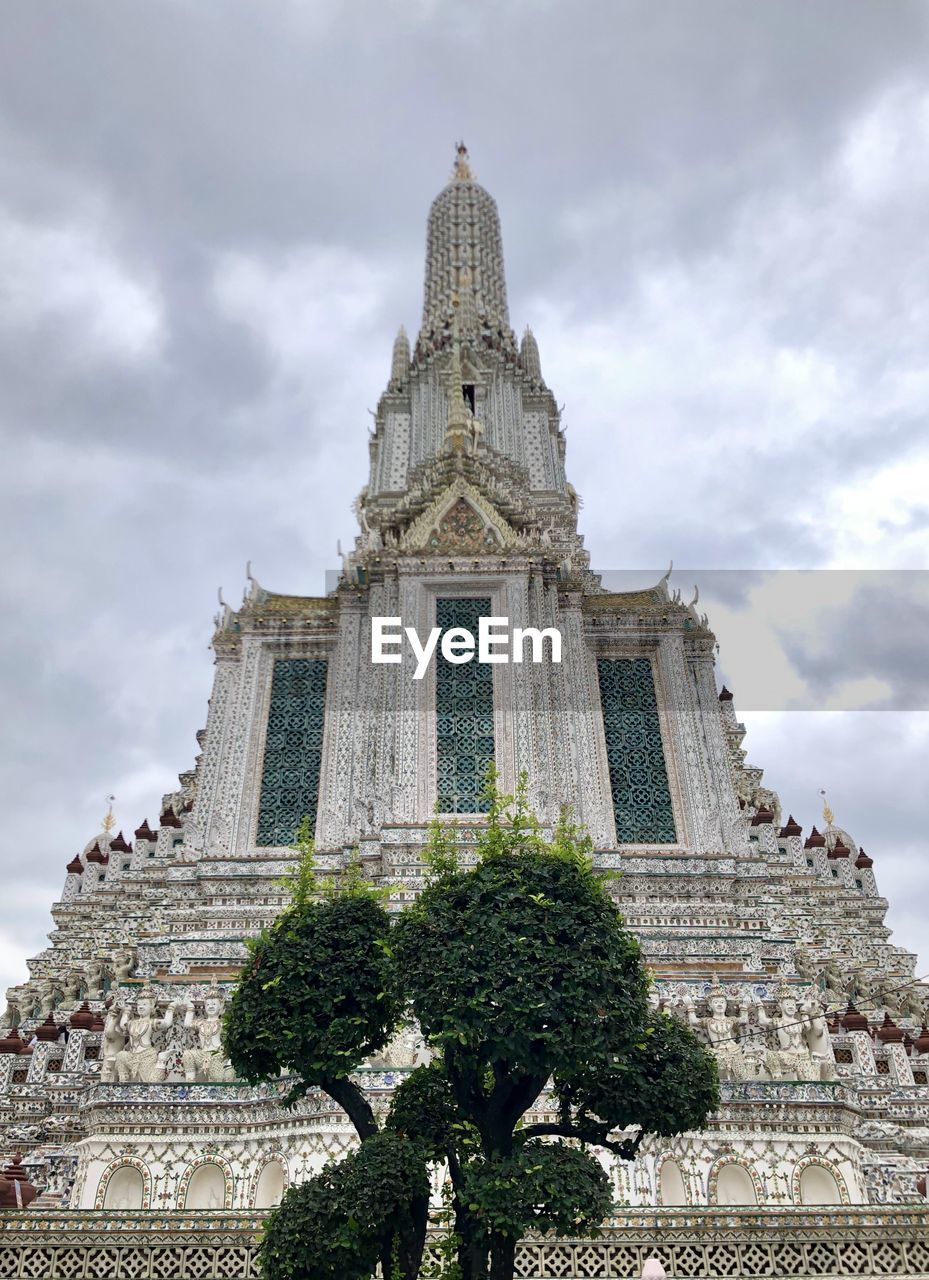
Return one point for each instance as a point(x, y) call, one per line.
point(128, 1142)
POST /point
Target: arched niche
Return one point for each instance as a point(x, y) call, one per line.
point(125, 1189)
point(206, 1188)
point(818, 1186)
point(734, 1185)
point(270, 1188)
point(671, 1188)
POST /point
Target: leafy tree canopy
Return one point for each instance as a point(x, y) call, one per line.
point(318, 995)
point(520, 973)
point(543, 1186)
point(341, 1223)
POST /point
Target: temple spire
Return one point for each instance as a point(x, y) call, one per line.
point(464, 256)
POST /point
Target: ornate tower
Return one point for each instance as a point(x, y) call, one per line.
point(467, 514)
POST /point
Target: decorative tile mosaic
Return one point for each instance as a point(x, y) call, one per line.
point(638, 776)
point(464, 706)
point(293, 748)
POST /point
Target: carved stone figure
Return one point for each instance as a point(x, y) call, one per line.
point(71, 985)
point(818, 1041)
point(803, 964)
point(722, 1033)
point(141, 1061)
point(123, 964)
point(831, 981)
point(113, 1042)
point(93, 975)
point(862, 990)
point(13, 1013)
point(207, 1061)
point(789, 1058)
point(46, 997)
point(905, 1002)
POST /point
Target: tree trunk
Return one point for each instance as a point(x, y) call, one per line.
point(502, 1257)
point(472, 1244)
point(411, 1239)
point(472, 1258)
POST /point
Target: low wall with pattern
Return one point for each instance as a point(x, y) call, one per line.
point(891, 1241)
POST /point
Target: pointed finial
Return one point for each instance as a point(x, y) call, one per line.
point(109, 821)
point(400, 360)
point(529, 351)
point(828, 815)
point(462, 171)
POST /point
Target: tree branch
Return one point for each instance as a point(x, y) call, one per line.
point(466, 1087)
point(524, 1093)
point(353, 1102)
point(597, 1134)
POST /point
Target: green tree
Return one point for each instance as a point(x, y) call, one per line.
point(318, 995)
point(520, 971)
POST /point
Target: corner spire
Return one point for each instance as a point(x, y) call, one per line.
point(529, 353)
point(400, 359)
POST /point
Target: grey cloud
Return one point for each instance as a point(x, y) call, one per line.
point(623, 141)
point(881, 633)
point(914, 521)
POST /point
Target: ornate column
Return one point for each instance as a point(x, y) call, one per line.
point(702, 830)
point(209, 824)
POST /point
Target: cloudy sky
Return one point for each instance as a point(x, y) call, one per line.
point(211, 224)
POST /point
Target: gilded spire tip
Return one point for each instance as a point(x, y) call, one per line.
point(109, 822)
point(828, 815)
point(462, 171)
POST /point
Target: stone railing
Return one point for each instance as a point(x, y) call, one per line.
point(708, 1244)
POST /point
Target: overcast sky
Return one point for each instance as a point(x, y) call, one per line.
point(212, 222)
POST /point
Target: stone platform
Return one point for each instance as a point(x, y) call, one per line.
point(887, 1241)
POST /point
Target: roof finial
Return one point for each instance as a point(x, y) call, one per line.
point(462, 171)
point(109, 822)
point(828, 815)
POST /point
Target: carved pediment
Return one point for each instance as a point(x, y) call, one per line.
point(459, 521)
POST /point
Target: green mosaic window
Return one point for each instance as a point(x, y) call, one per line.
point(638, 777)
point(464, 706)
point(293, 749)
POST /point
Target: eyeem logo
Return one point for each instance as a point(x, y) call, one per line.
point(495, 642)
